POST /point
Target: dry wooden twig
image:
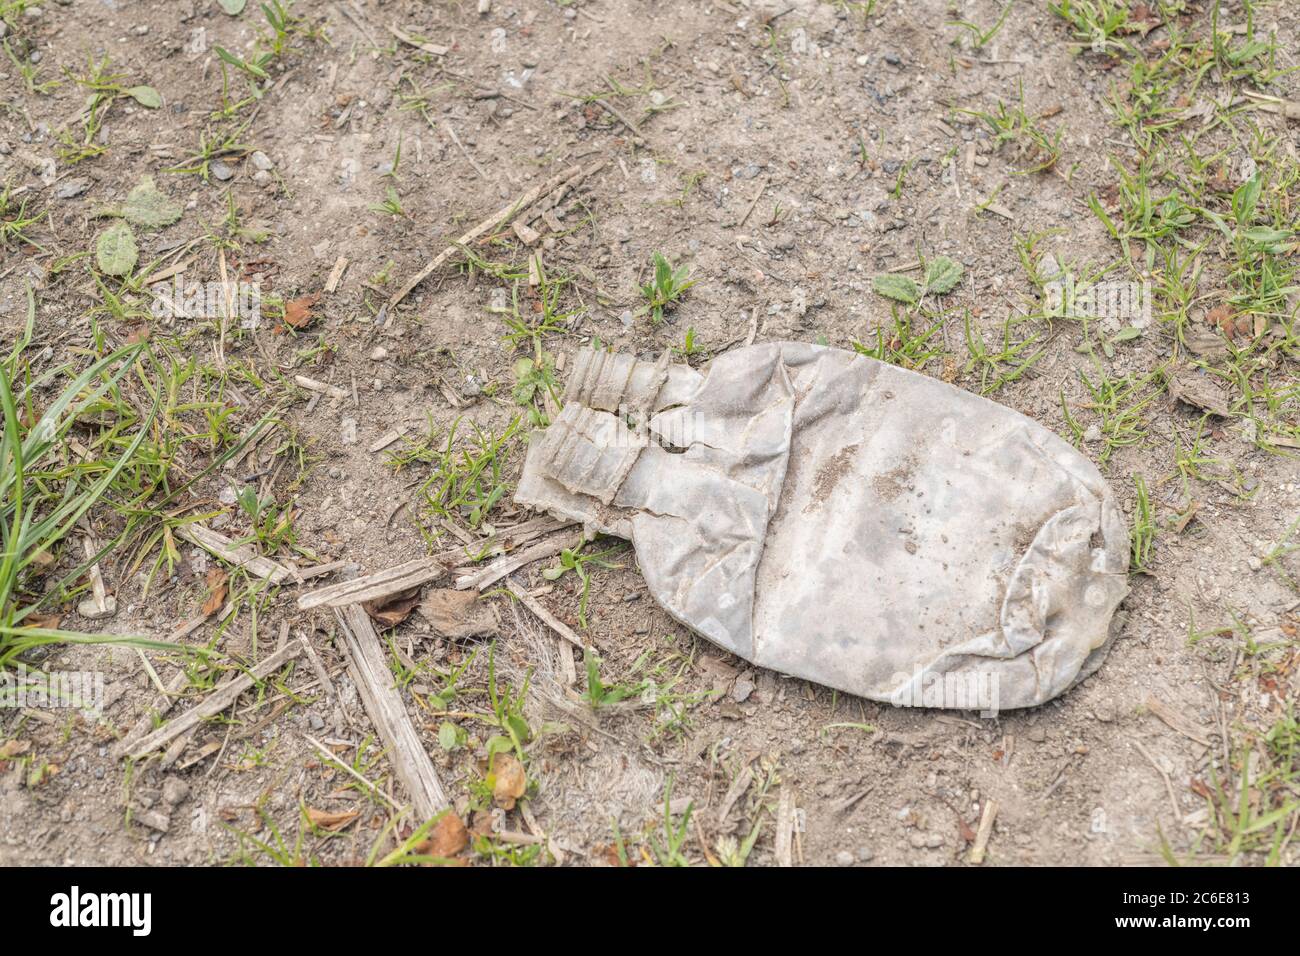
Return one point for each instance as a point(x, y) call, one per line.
point(324, 388)
point(325, 752)
point(242, 555)
point(464, 152)
point(785, 828)
point(1272, 104)
point(501, 217)
point(387, 712)
point(545, 616)
point(1169, 787)
point(493, 572)
point(213, 704)
point(336, 274)
point(505, 540)
point(372, 587)
point(1175, 720)
point(734, 793)
point(318, 667)
point(985, 831)
point(632, 127)
point(423, 46)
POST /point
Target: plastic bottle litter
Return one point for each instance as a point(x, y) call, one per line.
point(843, 520)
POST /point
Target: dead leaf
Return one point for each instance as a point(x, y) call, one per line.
point(392, 610)
point(14, 748)
point(1143, 19)
point(1184, 519)
point(1207, 344)
point(298, 313)
point(46, 621)
point(1197, 389)
point(217, 579)
point(331, 820)
point(1221, 318)
point(508, 780)
point(608, 855)
point(447, 838)
point(458, 615)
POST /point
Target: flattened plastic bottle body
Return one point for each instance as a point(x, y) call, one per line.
point(846, 521)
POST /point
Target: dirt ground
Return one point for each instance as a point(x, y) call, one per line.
point(787, 153)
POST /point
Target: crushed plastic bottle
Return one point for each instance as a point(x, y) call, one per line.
point(844, 520)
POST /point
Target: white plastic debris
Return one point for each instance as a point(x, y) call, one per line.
point(843, 520)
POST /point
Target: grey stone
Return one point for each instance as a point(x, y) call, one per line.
point(174, 791)
point(72, 187)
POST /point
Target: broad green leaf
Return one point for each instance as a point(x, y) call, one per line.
point(232, 7)
point(450, 736)
point(942, 275)
point(115, 251)
point(145, 96)
point(1246, 198)
point(663, 271)
point(898, 288)
point(147, 207)
point(1270, 238)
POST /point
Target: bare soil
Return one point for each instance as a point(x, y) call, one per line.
point(786, 161)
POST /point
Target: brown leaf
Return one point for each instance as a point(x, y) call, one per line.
point(480, 823)
point(447, 838)
point(1144, 18)
point(608, 856)
point(1220, 317)
point(508, 780)
point(14, 748)
point(331, 820)
point(458, 615)
point(1208, 344)
point(217, 591)
point(298, 313)
point(393, 610)
point(1186, 385)
point(47, 621)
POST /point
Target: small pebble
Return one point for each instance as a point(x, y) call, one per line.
point(174, 791)
point(72, 187)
